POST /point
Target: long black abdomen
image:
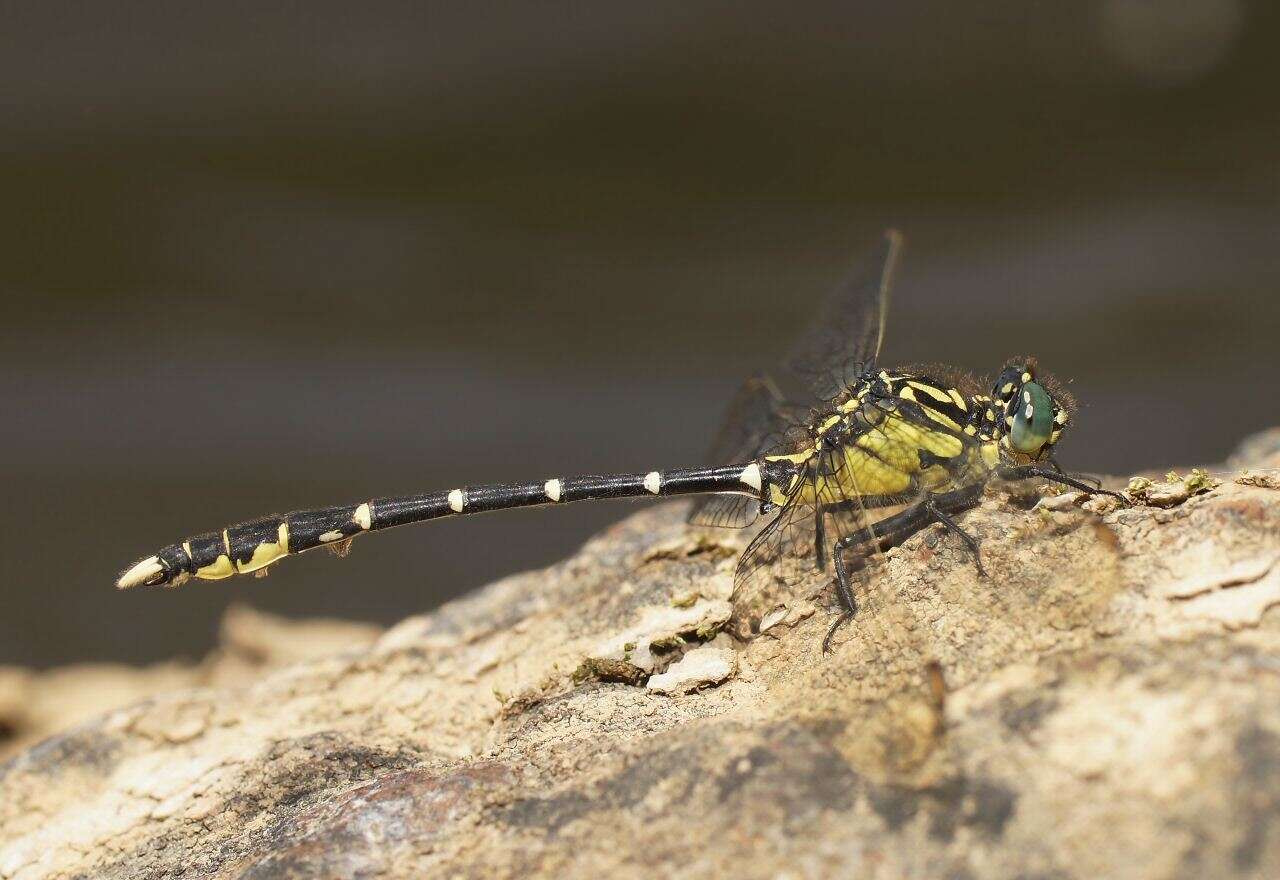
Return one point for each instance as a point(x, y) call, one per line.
point(252, 546)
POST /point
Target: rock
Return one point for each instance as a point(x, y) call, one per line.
point(1259, 451)
point(1061, 501)
point(1173, 489)
point(1105, 704)
point(663, 628)
point(702, 667)
point(34, 705)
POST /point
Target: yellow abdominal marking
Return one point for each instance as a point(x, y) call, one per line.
point(794, 457)
point(218, 569)
point(363, 517)
point(779, 494)
point(853, 403)
point(267, 552)
point(828, 424)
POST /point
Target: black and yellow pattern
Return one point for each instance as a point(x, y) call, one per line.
point(899, 451)
point(250, 547)
point(879, 455)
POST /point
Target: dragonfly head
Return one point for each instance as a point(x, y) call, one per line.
point(1034, 409)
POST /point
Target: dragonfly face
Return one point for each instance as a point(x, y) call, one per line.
point(1033, 414)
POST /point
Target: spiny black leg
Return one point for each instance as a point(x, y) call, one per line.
point(819, 538)
point(841, 620)
point(952, 526)
point(844, 592)
point(892, 531)
point(1026, 471)
point(1091, 480)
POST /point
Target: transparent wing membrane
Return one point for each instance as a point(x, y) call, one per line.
point(776, 561)
point(845, 338)
point(725, 511)
point(756, 421)
point(847, 334)
point(755, 412)
point(858, 497)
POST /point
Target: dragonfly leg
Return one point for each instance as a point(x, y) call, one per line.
point(1027, 471)
point(952, 526)
point(1086, 478)
point(844, 587)
point(844, 584)
point(820, 539)
point(840, 621)
point(892, 531)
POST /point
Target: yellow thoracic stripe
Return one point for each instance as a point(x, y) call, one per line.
point(884, 460)
point(929, 391)
point(945, 421)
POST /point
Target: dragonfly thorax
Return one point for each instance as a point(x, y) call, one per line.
point(894, 435)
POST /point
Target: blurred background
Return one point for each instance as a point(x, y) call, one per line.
point(256, 257)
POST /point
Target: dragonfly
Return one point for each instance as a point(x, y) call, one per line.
point(853, 459)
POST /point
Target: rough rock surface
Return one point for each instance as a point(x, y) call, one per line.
point(35, 705)
point(1105, 704)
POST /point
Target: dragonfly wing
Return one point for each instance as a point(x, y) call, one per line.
point(725, 511)
point(775, 561)
point(756, 420)
point(857, 498)
point(847, 334)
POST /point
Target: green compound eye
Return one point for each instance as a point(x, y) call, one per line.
point(1032, 419)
